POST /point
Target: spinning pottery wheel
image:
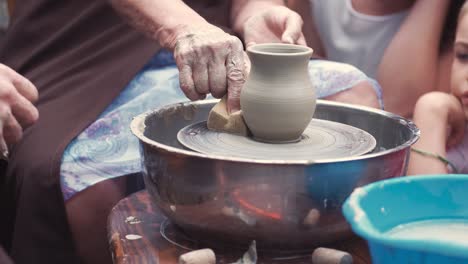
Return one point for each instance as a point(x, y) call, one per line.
point(285, 202)
point(321, 140)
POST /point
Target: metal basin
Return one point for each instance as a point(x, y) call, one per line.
point(283, 205)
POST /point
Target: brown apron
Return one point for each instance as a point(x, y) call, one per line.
point(80, 54)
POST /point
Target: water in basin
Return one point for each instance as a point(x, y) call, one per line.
point(443, 230)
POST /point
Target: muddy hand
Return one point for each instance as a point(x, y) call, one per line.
point(210, 61)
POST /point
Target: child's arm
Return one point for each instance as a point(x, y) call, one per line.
point(413, 56)
point(436, 114)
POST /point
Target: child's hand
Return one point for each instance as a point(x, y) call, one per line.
point(433, 113)
point(436, 111)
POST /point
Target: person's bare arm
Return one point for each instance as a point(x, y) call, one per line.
point(161, 20)
point(436, 114)
point(409, 66)
point(209, 60)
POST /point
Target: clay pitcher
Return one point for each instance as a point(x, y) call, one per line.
point(278, 99)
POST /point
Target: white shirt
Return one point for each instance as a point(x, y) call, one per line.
point(352, 37)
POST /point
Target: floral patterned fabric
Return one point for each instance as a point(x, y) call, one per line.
point(108, 149)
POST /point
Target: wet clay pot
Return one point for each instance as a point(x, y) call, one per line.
point(278, 99)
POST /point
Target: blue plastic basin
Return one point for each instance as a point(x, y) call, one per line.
point(429, 213)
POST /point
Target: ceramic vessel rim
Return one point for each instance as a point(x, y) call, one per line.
point(137, 127)
point(357, 218)
point(301, 50)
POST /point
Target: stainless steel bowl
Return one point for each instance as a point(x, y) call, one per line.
point(283, 205)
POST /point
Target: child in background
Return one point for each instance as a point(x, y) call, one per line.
point(443, 146)
point(396, 42)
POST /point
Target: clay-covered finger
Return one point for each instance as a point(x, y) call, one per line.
point(200, 78)
point(217, 78)
point(247, 64)
point(185, 58)
point(187, 84)
point(235, 71)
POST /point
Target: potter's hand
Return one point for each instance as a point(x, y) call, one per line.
point(275, 24)
point(16, 109)
point(209, 61)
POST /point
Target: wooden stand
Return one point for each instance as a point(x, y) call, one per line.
point(135, 237)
